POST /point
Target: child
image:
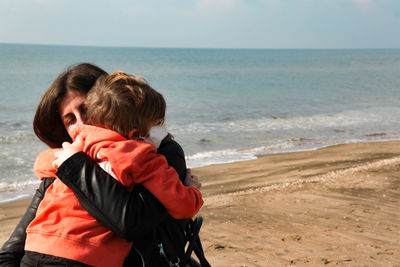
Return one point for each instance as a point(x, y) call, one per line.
point(127, 108)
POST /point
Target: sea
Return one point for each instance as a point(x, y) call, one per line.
point(223, 105)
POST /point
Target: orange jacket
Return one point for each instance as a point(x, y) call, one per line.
point(63, 228)
point(137, 162)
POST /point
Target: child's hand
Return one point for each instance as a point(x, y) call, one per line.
point(67, 151)
point(191, 180)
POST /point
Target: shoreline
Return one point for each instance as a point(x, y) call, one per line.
point(336, 205)
point(251, 153)
point(21, 190)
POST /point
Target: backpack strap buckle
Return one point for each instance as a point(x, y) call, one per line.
point(170, 263)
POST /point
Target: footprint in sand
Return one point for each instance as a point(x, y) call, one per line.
point(292, 238)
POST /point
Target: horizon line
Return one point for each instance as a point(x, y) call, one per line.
point(216, 48)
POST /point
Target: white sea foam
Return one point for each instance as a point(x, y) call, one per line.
point(217, 157)
point(18, 188)
point(234, 155)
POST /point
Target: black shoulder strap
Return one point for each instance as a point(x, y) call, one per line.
point(195, 243)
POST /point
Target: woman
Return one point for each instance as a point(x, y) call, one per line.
point(129, 214)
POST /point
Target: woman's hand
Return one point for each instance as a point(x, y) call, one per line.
point(191, 180)
point(68, 150)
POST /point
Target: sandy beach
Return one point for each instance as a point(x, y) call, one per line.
point(335, 206)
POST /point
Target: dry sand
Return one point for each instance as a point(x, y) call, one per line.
point(336, 206)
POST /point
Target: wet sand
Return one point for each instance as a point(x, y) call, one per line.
point(336, 206)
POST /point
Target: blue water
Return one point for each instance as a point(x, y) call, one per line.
point(223, 105)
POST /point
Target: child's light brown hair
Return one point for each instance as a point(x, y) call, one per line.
point(126, 104)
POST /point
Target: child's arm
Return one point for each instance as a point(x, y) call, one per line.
point(138, 162)
point(43, 167)
point(48, 161)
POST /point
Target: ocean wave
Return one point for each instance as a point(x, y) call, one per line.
point(14, 125)
point(18, 137)
point(16, 188)
point(18, 184)
point(339, 122)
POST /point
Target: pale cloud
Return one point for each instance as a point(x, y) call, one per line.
point(364, 5)
point(216, 3)
point(30, 2)
point(211, 9)
point(134, 12)
point(49, 2)
point(32, 5)
point(362, 1)
point(216, 8)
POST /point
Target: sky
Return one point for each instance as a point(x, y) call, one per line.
point(277, 24)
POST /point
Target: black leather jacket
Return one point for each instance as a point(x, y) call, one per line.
point(128, 214)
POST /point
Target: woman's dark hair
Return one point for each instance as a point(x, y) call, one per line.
point(47, 122)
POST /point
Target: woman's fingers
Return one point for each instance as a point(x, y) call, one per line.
point(67, 151)
point(192, 180)
point(196, 182)
point(54, 164)
point(66, 145)
point(78, 143)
